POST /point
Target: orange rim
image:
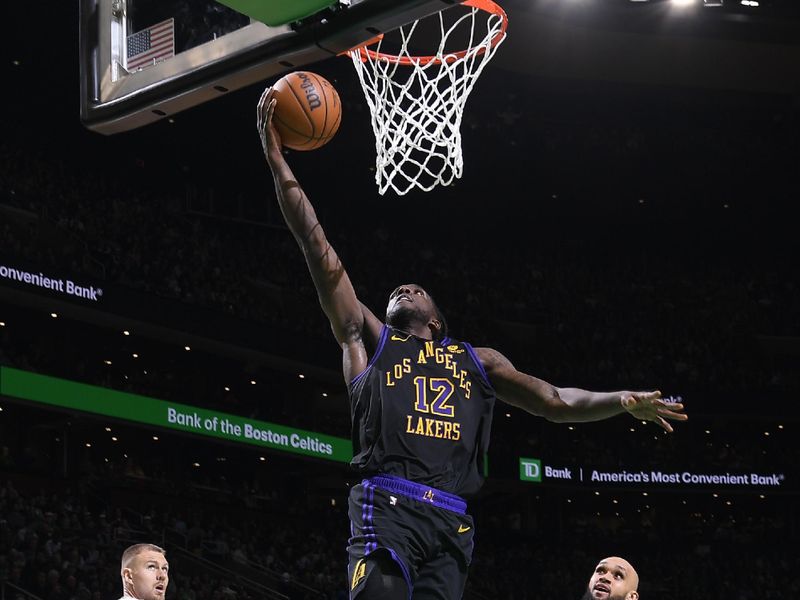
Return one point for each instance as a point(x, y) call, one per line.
point(365, 53)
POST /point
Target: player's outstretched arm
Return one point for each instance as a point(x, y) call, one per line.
point(572, 404)
point(335, 291)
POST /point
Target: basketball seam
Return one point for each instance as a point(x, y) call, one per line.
point(300, 101)
point(301, 134)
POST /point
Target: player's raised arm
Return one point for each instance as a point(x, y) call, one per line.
point(335, 291)
point(572, 404)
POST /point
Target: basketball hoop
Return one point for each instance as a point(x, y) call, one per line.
point(417, 102)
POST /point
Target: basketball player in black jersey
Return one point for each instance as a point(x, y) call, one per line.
point(421, 408)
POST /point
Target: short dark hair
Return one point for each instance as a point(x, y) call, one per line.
point(132, 551)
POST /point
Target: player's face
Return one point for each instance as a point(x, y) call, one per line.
point(613, 579)
point(409, 302)
point(148, 576)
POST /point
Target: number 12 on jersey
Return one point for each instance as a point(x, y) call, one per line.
point(442, 388)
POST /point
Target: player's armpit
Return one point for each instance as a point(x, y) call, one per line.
point(354, 357)
point(372, 328)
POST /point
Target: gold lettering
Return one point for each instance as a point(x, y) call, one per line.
point(469, 386)
point(389, 382)
point(406, 365)
point(439, 355)
point(434, 428)
point(421, 358)
point(448, 430)
point(429, 348)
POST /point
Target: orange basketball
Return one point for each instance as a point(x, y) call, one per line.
point(308, 110)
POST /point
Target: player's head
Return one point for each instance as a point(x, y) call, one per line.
point(410, 306)
point(614, 578)
point(145, 572)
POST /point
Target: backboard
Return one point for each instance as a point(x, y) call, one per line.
point(143, 60)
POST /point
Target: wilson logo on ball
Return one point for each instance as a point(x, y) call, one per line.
point(312, 98)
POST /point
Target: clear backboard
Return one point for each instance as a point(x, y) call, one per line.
point(143, 60)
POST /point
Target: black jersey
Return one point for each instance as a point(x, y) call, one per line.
point(422, 410)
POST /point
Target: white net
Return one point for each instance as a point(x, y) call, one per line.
point(417, 103)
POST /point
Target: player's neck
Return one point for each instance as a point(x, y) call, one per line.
point(420, 331)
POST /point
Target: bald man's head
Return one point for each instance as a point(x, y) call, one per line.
point(614, 578)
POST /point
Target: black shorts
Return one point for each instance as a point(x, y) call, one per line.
point(425, 531)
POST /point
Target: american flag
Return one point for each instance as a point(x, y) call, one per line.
point(157, 42)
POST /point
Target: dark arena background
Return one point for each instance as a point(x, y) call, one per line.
point(168, 376)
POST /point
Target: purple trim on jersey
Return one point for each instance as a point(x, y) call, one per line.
point(445, 341)
point(478, 362)
point(378, 350)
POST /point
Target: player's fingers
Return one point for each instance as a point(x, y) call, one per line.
point(665, 424)
point(271, 109)
point(673, 415)
point(264, 95)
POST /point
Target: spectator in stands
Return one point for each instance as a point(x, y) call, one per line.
point(145, 572)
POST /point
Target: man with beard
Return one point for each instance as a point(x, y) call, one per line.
point(421, 407)
point(145, 573)
point(614, 578)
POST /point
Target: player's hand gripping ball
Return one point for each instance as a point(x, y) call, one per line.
point(308, 110)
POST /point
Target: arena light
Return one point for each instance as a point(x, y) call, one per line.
point(324, 394)
point(155, 438)
point(108, 429)
point(252, 382)
point(227, 389)
point(713, 2)
point(187, 348)
point(2, 323)
point(54, 315)
point(126, 332)
point(114, 438)
point(301, 376)
point(753, 3)
point(135, 355)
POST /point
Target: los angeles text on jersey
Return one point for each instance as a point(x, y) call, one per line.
point(432, 395)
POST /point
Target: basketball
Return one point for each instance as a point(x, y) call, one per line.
point(308, 110)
